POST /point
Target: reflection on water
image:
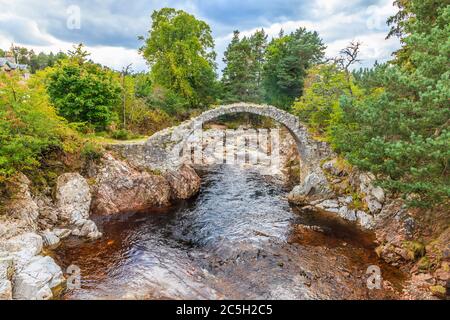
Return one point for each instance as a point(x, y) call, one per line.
point(239, 239)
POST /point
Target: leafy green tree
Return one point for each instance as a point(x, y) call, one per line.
point(82, 91)
point(319, 105)
point(180, 50)
point(28, 125)
point(288, 58)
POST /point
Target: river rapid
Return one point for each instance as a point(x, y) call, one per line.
point(238, 239)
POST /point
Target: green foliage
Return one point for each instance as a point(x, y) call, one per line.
point(122, 134)
point(242, 76)
point(35, 61)
point(29, 126)
point(179, 49)
point(393, 120)
point(82, 91)
point(319, 105)
point(287, 61)
point(91, 151)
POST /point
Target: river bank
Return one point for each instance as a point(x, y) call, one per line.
point(239, 239)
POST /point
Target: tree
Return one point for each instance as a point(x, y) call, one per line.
point(287, 61)
point(35, 61)
point(83, 91)
point(319, 105)
point(237, 80)
point(402, 134)
point(413, 17)
point(180, 50)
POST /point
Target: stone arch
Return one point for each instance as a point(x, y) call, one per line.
point(161, 152)
point(311, 151)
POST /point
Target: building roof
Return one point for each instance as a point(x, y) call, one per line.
point(12, 66)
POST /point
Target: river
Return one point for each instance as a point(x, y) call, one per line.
point(238, 239)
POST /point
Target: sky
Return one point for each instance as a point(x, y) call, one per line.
point(110, 28)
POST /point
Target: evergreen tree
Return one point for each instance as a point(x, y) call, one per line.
point(402, 134)
point(240, 76)
point(287, 61)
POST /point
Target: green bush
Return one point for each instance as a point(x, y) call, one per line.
point(92, 152)
point(121, 134)
point(28, 125)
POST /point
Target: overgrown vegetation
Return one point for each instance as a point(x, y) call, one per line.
point(392, 120)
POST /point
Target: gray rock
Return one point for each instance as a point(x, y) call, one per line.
point(73, 197)
point(62, 233)
point(347, 214)
point(346, 200)
point(36, 279)
point(22, 248)
point(365, 220)
point(90, 230)
point(378, 193)
point(328, 204)
point(373, 205)
point(50, 239)
point(313, 184)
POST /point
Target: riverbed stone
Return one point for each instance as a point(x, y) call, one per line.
point(62, 233)
point(23, 247)
point(121, 188)
point(328, 204)
point(50, 239)
point(365, 220)
point(73, 197)
point(347, 214)
point(36, 279)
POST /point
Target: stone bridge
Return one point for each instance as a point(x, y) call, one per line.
point(163, 151)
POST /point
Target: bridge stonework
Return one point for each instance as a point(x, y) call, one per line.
point(163, 150)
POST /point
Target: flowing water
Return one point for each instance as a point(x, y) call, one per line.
point(238, 239)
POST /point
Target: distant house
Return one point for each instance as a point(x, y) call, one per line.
point(8, 65)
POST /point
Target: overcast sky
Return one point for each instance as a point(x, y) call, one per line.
point(109, 28)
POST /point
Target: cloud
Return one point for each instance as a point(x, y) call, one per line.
point(109, 28)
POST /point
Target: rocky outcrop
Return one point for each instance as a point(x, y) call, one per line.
point(21, 206)
point(314, 186)
point(30, 224)
point(73, 198)
point(24, 273)
point(120, 187)
point(184, 183)
point(37, 278)
point(351, 194)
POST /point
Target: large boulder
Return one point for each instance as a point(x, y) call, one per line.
point(73, 201)
point(36, 279)
point(21, 206)
point(314, 185)
point(184, 182)
point(6, 272)
point(22, 247)
point(24, 274)
point(73, 197)
point(122, 188)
